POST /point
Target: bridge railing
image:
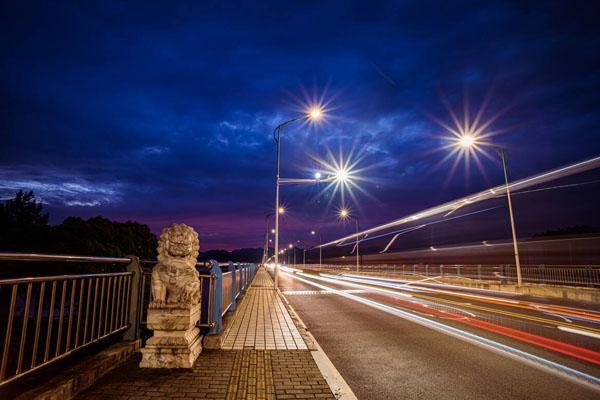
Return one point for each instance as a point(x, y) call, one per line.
point(44, 319)
point(571, 275)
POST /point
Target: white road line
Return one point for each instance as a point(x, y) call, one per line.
point(315, 292)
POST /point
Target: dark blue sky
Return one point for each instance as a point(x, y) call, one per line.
point(163, 112)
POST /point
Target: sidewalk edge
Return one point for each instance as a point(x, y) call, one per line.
point(338, 386)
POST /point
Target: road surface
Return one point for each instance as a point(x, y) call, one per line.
point(385, 354)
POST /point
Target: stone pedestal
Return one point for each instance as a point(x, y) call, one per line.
point(176, 342)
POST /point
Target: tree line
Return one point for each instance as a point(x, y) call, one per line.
point(24, 227)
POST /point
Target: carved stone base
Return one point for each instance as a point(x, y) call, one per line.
point(176, 342)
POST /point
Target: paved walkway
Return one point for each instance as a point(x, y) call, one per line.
point(268, 360)
point(262, 322)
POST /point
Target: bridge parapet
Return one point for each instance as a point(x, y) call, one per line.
point(47, 316)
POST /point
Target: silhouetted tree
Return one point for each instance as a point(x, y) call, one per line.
point(575, 230)
point(241, 255)
point(23, 225)
point(101, 237)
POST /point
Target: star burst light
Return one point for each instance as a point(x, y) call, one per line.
point(468, 137)
point(341, 175)
point(343, 213)
point(316, 104)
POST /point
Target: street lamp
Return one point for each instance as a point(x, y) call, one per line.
point(467, 141)
point(345, 214)
point(313, 233)
point(291, 247)
point(281, 210)
point(315, 114)
point(303, 244)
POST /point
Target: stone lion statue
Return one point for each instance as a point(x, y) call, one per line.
point(174, 278)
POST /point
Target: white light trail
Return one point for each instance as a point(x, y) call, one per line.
point(533, 180)
point(579, 332)
point(507, 351)
point(401, 284)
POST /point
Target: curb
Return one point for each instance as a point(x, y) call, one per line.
point(338, 386)
point(79, 377)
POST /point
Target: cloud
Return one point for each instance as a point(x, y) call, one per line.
point(60, 189)
point(168, 111)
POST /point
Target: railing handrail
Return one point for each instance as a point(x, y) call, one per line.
point(61, 257)
point(60, 277)
point(587, 275)
point(63, 313)
point(10, 256)
point(590, 265)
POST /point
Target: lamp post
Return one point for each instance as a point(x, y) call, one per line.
point(266, 246)
point(281, 210)
point(314, 114)
point(291, 247)
point(345, 214)
point(320, 248)
point(468, 141)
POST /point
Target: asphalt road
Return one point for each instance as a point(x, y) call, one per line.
point(383, 356)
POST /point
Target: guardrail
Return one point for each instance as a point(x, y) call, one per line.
point(44, 319)
point(572, 275)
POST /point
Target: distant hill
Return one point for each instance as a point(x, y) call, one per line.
point(576, 230)
point(253, 255)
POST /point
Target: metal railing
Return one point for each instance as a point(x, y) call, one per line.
point(572, 275)
point(45, 319)
point(207, 295)
point(227, 291)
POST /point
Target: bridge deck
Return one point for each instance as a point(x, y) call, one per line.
point(266, 359)
point(262, 322)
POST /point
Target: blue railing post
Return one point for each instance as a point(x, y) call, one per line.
point(244, 270)
point(217, 306)
point(135, 299)
point(233, 285)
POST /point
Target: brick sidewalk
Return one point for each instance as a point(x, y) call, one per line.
point(262, 322)
point(269, 360)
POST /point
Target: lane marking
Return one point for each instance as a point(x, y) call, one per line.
point(318, 292)
point(334, 379)
point(338, 386)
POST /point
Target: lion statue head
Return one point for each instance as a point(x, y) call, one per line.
point(178, 241)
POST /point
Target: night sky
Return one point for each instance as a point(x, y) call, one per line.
point(163, 112)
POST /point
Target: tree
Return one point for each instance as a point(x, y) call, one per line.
point(23, 225)
point(576, 230)
point(99, 236)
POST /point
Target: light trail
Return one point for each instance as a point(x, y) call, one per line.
point(579, 332)
point(524, 183)
point(589, 316)
point(413, 228)
point(485, 243)
point(505, 350)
